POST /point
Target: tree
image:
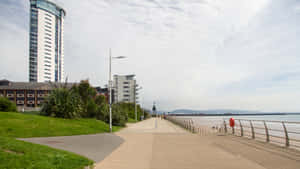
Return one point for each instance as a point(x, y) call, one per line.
point(62, 102)
point(87, 95)
point(7, 105)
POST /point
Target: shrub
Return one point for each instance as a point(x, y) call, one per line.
point(62, 103)
point(7, 105)
point(87, 96)
point(119, 116)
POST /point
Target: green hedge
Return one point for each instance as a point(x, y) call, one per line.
point(7, 105)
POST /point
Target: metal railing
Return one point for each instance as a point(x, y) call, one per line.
point(277, 132)
point(283, 133)
point(190, 125)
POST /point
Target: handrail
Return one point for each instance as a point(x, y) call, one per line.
point(280, 134)
point(272, 121)
point(270, 130)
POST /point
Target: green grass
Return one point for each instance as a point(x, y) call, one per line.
point(15, 154)
point(26, 125)
point(130, 120)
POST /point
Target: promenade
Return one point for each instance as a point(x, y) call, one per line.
point(167, 146)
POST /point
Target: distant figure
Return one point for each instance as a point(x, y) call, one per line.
point(23, 109)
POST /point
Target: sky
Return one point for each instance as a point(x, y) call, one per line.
point(195, 54)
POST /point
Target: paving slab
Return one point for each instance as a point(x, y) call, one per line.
point(95, 147)
point(159, 144)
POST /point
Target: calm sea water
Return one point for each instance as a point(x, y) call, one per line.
point(211, 121)
point(219, 119)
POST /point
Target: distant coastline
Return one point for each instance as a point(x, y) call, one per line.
point(230, 114)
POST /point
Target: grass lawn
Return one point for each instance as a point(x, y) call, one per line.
point(130, 120)
point(26, 125)
point(15, 154)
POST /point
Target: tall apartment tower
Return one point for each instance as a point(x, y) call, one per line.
point(125, 88)
point(46, 53)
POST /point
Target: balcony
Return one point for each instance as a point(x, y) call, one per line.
point(20, 95)
point(30, 102)
point(10, 95)
point(30, 95)
point(20, 102)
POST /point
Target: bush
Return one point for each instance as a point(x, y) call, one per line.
point(87, 96)
point(119, 116)
point(62, 103)
point(7, 105)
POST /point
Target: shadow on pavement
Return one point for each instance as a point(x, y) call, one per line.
point(95, 147)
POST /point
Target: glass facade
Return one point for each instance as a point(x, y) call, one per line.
point(53, 15)
point(33, 45)
point(48, 6)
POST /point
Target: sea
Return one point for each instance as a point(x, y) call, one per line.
point(215, 120)
point(292, 123)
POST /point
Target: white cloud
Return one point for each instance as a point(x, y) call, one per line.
point(186, 54)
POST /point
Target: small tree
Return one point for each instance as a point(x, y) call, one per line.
point(62, 102)
point(87, 95)
point(7, 105)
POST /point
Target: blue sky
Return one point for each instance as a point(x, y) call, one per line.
point(198, 54)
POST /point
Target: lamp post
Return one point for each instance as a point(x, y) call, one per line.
point(135, 108)
point(110, 88)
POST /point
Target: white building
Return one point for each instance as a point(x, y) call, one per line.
point(125, 88)
point(46, 53)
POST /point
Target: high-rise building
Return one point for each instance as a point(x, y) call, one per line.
point(125, 88)
point(46, 53)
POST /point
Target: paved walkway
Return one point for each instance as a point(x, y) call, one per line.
point(168, 146)
point(95, 146)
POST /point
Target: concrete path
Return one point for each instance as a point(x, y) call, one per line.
point(95, 147)
point(171, 147)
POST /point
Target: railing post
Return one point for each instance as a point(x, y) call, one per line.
point(225, 126)
point(267, 132)
point(252, 130)
point(287, 141)
point(242, 130)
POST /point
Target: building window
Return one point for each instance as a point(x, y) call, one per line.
point(47, 38)
point(48, 42)
point(48, 23)
point(47, 65)
point(48, 34)
point(48, 50)
point(48, 15)
point(47, 61)
point(47, 30)
point(48, 19)
point(48, 46)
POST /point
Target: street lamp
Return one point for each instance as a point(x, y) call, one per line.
point(110, 87)
point(135, 109)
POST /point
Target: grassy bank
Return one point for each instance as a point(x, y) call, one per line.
point(26, 125)
point(20, 154)
point(130, 120)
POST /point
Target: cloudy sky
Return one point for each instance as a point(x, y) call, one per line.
point(198, 54)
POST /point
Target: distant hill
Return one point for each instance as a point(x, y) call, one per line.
point(215, 111)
